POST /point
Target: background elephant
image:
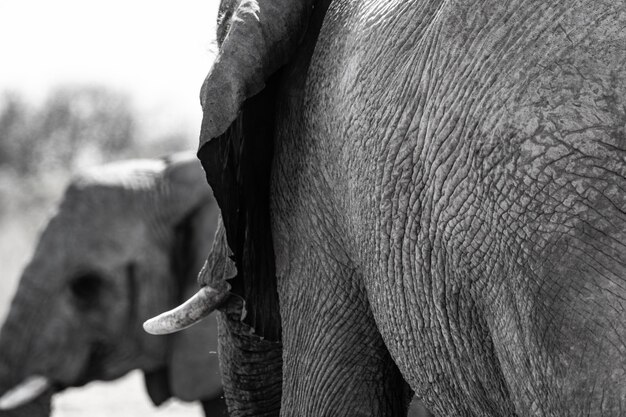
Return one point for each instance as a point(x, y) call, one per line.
point(126, 241)
point(444, 184)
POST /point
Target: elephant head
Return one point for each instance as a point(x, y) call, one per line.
point(427, 196)
point(256, 39)
point(125, 242)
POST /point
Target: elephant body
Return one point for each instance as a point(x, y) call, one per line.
point(446, 202)
point(470, 197)
point(127, 240)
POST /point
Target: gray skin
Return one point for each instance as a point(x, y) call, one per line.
point(447, 203)
point(127, 241)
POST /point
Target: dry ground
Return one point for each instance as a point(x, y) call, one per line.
point(125, 397)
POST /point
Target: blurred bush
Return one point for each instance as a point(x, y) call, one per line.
point(72, 123)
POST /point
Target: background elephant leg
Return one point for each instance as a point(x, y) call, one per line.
point(335, 362)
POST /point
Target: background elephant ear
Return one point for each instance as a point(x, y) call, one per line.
point(255, 39)
point(184, 188)
point(193, 366)
point(189, 210)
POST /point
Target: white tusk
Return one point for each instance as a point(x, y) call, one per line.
point(198, 307)
point(31, 388)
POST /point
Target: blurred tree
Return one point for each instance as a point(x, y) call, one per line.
point(73, 123)
point(14, 115)
point(75, 126)
point(76, 120)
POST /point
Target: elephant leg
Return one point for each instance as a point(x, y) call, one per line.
point(335, 362)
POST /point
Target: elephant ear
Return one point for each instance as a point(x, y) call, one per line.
point(190, 211)
point(255, 38)
point(183, 190)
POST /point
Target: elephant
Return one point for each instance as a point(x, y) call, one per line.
point(422, 197)
point(126, 241)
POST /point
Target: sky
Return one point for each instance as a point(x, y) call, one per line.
point(158, 51)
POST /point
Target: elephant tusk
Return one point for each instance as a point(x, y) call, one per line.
point(31, 388)
point(198, 307)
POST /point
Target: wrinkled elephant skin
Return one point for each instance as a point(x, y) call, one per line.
point(446, 202)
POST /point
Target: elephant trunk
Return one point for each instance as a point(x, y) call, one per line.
point(16, 343)
point(251, 367)
point(20, 396)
